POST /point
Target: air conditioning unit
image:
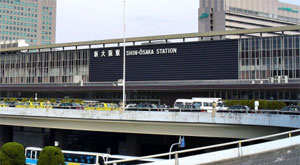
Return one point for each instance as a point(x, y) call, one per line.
point(261, 81)
point(271, 80)
point(252, 82)
point(277, 79)
point(284, 79)
point(81, 82)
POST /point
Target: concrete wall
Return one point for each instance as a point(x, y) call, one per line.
point(5, 134)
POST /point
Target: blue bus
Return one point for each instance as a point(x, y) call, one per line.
point(71, 157)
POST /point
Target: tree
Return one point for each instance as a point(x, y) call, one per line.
point(51, 156)
point(12, 153)
point(13, 99)
point(24, 99)
point(5, 99)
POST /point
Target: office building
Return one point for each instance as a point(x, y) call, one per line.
point(221, 15)
point(31, 20)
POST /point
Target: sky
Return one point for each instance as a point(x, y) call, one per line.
point(86, 20)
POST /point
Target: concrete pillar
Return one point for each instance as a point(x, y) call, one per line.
point(58, 136)
point(5, 134)
point(133, 145)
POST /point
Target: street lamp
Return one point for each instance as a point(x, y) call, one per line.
point(124, 59)
point(181, 144)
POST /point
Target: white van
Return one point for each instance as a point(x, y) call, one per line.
point(183, 103)
point(207, 104)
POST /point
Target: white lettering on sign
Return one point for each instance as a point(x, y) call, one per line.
point(166, 51)
point(139, 52)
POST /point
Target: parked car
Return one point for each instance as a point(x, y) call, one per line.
point(3, 104)
point(69, 106)
point(102, 107)
point(291, 108)
point(12, 103)
point(238, 108)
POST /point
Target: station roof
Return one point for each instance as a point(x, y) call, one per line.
point(160, 37)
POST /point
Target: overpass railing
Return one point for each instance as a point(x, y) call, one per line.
point(217, 111)
point(238, 143)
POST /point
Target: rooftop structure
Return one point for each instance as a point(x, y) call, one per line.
point(220, 15)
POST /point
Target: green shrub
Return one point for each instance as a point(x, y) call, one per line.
point(78, 101)
point(24, 100)
point(53, 100)
point(263, 104)
point(51, 156)
point(6, 99)
point(42, 100)
point(12, 153)
point(13, 99)
point(31, 100)
point(66, 100)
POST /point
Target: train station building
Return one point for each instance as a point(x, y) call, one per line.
point(160, 68)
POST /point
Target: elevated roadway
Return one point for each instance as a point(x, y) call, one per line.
point(200, 124)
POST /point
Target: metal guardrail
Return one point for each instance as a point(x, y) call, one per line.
point(218, 111)
point(176, 153)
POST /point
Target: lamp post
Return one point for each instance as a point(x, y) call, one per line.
point(181, 144)
point(124, 59)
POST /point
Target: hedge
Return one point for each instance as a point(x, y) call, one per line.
point(51, 156)
point(263, 104)
point(12, 153)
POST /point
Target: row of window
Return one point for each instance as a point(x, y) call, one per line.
point(18, 18)
point(18, 8)
point(47, 23)
point(271, 43)
point(16, 38)
point(47, 18)
point(47, 8)
point(19, 29)
point(18, 24)
point(46, 37)
point(18, 34)
point(269, 57)
point(18, 13)
point(47, 13)
point(17, 2)
point(262, 14)
point(46, 33)
point(46, 27)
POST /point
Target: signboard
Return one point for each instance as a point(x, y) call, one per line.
point(205, 60)
point(135, 52)
point(204, 15)
point(288, 9)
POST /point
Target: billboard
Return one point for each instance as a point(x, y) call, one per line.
point(205, 60)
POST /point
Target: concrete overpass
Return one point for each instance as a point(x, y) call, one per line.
point(198, 124)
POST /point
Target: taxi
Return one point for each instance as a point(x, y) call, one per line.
point(40, 105)
point(3, 104)
point(22, 104)
point(100, 107)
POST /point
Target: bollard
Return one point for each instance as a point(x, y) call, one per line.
point(176, 159)
point(240, 149)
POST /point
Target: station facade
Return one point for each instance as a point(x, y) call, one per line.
point(245, 68)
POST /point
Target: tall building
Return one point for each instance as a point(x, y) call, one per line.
point(31, 20)
point(220, 15)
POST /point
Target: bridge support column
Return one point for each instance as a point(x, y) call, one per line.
point(5, 134)
point(133, 144)
point(58, 136)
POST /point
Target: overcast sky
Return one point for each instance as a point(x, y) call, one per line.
point(84, 20)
